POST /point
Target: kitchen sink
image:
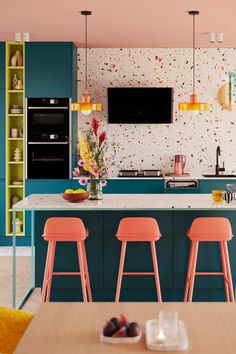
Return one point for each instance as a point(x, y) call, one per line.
point(219, 176)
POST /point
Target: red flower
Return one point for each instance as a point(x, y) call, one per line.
point(102, 137)
point(95, 125)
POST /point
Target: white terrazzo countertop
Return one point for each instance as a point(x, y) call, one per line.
point(125, 202)
point(170, 177)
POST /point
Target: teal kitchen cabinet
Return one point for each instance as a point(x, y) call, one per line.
point(138, 256)
point(2, 207)
point(111, 187)
point(66, 258)
point(140, 186)
point(2, 65)
point(50, 69)
point(208, 185)
point(207, 288)
point(47, 186)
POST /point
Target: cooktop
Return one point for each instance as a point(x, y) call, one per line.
point(140, 173)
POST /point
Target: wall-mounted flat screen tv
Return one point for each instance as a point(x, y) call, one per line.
point(140, 105)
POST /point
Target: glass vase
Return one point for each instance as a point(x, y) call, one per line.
point(94, 188)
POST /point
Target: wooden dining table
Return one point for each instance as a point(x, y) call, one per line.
point(69, 328)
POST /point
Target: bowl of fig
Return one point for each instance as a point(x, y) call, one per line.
point(120, 330)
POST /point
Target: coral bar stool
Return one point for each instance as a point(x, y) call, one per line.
point(65, 229)
point(135, 229)
point(209, 229)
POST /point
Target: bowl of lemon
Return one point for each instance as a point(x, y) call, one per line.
point(75, 196)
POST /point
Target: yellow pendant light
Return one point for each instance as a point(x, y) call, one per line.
point(193, 104)
point(86, 106)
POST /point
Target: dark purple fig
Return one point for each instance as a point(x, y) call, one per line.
point(116, 322)
point(109, 329)
point(133, 329)
point(122, 332)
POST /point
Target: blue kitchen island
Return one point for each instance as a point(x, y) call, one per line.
point(174, 214)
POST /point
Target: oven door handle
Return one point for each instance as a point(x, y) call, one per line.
point(48, 143)
point(48, 108)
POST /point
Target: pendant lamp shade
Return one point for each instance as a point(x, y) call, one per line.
point(86, 106)
point(193, 104)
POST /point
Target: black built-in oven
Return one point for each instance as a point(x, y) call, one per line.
point(48, 138)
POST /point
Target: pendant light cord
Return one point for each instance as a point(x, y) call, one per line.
point(194, 53)
point(86, 54)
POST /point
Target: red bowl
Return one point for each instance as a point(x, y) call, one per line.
point(75, 198)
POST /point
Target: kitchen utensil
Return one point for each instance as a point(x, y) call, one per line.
point(228, 196)
point(231, 187)
point(217, 195)
point(179, 165)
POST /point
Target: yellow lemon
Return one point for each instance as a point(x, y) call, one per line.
point(69, 191)
point(80, 191)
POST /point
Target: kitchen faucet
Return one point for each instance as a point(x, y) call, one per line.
point(218, 168)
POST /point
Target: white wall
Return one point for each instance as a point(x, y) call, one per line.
point(153, 146)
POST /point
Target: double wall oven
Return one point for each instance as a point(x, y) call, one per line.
point(48, 138)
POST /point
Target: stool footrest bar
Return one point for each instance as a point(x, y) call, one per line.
point(209, 273)
point(66, 273)
point(138, 273)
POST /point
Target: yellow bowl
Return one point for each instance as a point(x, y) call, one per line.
point(217, 195)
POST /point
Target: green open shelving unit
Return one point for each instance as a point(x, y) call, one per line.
point(15, 170)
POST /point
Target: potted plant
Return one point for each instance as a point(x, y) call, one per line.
point(91, 168)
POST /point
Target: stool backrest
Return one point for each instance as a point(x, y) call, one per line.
point(211, 226)
point(138, 226)
point(64, 226)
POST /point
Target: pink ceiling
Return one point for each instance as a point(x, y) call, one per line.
point(119, 23)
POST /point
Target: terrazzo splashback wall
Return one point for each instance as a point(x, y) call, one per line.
point(153, 146)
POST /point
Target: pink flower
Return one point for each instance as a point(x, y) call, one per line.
point(81, 163)
point(93, 163)
point(76, 172)
point(83, 181)
point(103, 183)
point(95, 172)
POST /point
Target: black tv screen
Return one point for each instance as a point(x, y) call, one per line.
point(140, 105)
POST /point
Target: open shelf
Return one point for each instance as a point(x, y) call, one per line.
point(15, 67)
point(14, 169)
point(15, 115)
point(17, 139)
point(15, 162)
point(15, 186)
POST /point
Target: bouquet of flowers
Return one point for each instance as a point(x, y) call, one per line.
point(91, 156)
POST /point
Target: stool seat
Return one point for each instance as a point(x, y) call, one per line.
point(209, 229)
point(57, 229)
point(65, 229)
point(139, 229)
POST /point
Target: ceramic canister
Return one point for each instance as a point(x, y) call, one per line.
point(228, 196)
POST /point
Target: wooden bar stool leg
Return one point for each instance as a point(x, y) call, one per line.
point(87, 273)
point(188, 273)
point(156, 272)
point(45, 278)
point(52, 246)
point(223, 259)
point(121, 267)
point(193, 270)
point(82, 270)
point(229, 277)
